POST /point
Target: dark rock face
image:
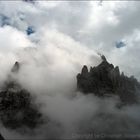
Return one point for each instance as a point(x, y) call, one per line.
point(105, 79)
point(17, 107)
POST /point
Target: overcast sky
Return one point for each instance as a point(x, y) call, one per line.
point(100, 26)
point(53, 40)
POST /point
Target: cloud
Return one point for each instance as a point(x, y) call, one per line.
point(128, 55)
point(11, 38)
point(54, 56)
point(67, 36)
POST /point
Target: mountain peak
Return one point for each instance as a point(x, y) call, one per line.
point(105, 79)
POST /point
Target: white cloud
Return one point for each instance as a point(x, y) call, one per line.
point(128, 57)
point(11, 38)
point(54, 56)
point(67, 36)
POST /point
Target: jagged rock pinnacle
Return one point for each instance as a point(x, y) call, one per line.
point(16, 67)
point(105, 79)
point(84, 69)
point(103, 57)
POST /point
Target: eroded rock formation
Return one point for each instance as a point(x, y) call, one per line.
point(105, 79)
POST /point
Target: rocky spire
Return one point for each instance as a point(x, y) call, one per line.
point(106, 79)
point(103, 57)
point(84, 69)
point(16, 67)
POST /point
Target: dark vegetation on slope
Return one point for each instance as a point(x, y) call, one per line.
point(17, 107)
point(105, 80)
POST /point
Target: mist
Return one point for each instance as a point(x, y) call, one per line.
point(51, 57)
point(48, 71)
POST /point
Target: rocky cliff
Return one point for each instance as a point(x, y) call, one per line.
point(105, 79)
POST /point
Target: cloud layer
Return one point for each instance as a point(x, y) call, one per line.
point(68, 35)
